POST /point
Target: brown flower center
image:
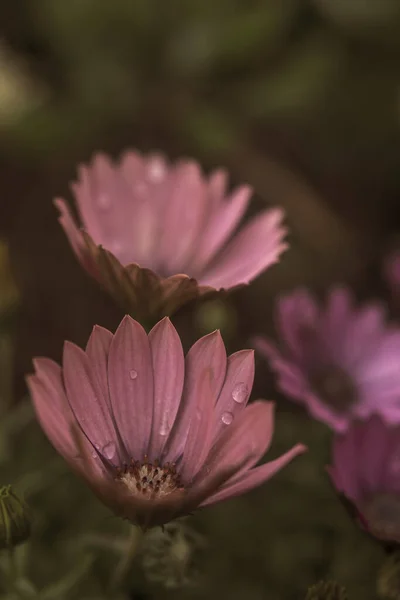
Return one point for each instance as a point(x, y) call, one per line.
point(382, 513)
point(334, 386)
point(149, 479)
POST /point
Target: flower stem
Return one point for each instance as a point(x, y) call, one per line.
point(126, 559)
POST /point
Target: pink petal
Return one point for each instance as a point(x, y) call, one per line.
point(200, 430)
point(207, 355)
point(90, 410)
point(130, 377)
point(236, 390)
point(97, 350)
point(74, 236)
point(52, 406)
point(255, 477)
point(294, 313)
point(244, 440)
point(219, 228)
point(184, 218)
point(257, 246)
point(169, 373)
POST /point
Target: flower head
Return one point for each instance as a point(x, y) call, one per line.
point(341, 362)
point(156, 434)
point(158, 235)
point(365, 471)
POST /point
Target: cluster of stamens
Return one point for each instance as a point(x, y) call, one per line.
point(149, 479)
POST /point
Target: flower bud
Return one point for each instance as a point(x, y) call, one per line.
point(326, 590)
point(15, 522)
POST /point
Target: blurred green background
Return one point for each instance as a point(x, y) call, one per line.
point(300, 98)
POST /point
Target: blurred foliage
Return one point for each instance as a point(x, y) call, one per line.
point(314, 84)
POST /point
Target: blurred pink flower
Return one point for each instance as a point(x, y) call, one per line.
point(158, 235)
point(366, 472)
point(339, 361)
point(155, 434)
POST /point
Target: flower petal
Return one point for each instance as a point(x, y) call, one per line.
point(255, 477)
point(90, 410)
point(130, 376)
point(207, 355)
point(169, 373)
point(97, 350)
point(236, 390)
point(257, 246)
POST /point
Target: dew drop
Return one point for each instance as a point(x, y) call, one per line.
point(240, 392)
point(132, 374)
point(94, 455)
point(109, 450)
point(227, 418)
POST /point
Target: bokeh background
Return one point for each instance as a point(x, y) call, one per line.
point(300, 98)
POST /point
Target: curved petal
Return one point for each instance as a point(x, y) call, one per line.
point(219, 228)
point(255, 477)
point(296, 312)
point(130, 377)
point(97, 350)
point(90, 409)
point(169, 373)
point(207, 355)
point(236, 390)
point(257, 246)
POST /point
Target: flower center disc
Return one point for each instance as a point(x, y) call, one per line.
point(149, 480)
point(382, 513)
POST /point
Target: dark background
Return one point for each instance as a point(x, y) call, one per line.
point(299, 98)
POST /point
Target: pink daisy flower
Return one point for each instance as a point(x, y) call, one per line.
point(366, 472)
point(157, 235)
point(156, 434)
point(339, 361)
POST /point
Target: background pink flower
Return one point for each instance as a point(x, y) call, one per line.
point(339, 361)
point(366, 471)
point(154, 433)
point(157, 235)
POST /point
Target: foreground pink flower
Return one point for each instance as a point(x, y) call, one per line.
point(157, 235)
point(339, 361)
point(366, 472)
point(155, 434)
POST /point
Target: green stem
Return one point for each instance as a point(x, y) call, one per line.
point(127, 559)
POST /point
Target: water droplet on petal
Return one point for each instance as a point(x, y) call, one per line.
point(94, 455)
point(109, 450)
point(227, 418)
point(240, 392)
point(132, 374)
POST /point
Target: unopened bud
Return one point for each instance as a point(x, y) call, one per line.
point(388, 584)
point(326, 590)
point(15, 522)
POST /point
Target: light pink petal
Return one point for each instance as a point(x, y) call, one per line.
point(169, 373)
point(362, 334)
point(257, 246)
point(184, 219)
point(217, 184)
point(244, 441)
point(236, 390)
point(296, 312)
point(74, 235)
point(219, 228)
point(207, 355)
point(336, 316)
point(90, 410)
point(255, 477)
point(97, 350)
point(200, 430)
point(130, 377)
point(51, 405)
